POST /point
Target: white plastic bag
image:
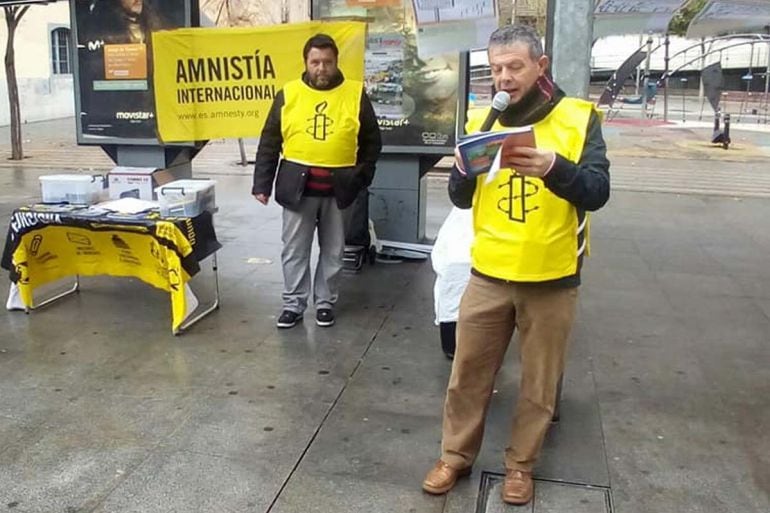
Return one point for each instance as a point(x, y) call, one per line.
point(14, 299)
point(451, 258)
point(191, 302)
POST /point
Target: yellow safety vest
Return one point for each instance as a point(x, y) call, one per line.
point(522, 231)
point(320, 128)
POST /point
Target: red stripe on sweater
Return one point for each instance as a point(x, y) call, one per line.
point(316, 186)
point(319, 172)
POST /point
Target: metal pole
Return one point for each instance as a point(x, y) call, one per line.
point(749, 78)
point(549, 26)
point(638, 69)
point(572, 41)
point(646, 76)
point(683, 81)
point(767, 71)
point(767, 80)
point(701, 90)
point(767, 75)
point(666, 45)
point(242, 148)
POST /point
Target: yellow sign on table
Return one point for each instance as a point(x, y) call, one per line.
point(215, 83)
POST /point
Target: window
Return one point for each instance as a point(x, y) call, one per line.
point(60, 51)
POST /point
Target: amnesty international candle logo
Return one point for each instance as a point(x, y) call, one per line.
point(213, 83)
point(517, 202)
point(320, 129)
point(34, 248)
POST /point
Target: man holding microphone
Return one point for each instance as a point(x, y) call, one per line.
point(530, 237)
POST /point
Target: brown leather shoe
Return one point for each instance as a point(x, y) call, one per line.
point(442, 478)
point(518, 487)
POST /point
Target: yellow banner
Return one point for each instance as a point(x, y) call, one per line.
point(213, 83)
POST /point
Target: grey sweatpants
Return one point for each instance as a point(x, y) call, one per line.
point(298, 229)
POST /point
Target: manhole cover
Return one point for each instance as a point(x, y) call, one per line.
point(550, 497)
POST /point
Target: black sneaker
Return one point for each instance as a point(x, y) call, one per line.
point(324, 317)
point(288, 319)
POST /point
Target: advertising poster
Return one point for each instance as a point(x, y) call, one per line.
point(213, 83)
point(415, 98)
point(114, 41)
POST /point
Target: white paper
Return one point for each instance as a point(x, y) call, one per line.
point(492, 174)
point(191, 302)
point(128, 205)
point(14, 299)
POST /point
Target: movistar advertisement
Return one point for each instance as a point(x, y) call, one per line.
point(114, 65)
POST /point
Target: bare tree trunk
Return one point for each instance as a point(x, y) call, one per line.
point(12, 17)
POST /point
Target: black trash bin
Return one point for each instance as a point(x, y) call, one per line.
point(358, 240)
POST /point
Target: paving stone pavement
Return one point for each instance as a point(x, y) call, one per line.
point(665, 409)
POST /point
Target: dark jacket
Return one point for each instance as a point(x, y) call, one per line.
point(291, 177)
point(586, 184)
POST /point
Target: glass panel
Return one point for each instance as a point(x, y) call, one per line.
point(68, 51)
point(60, 50)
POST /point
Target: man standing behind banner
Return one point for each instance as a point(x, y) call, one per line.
point(530, 235)
point(322, 138)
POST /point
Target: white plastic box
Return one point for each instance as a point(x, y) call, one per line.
point(74, 189)
point(186, 198)
point(140, 182)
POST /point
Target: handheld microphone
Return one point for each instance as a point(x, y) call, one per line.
point(499, 104)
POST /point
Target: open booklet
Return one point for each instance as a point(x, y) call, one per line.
point(479, 151)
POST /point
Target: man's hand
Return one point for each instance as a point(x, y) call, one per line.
point(262, 198)
point(528, 161)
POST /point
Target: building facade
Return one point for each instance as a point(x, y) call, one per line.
point(44, 52)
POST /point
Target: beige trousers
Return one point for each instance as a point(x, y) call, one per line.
point(489, 312)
